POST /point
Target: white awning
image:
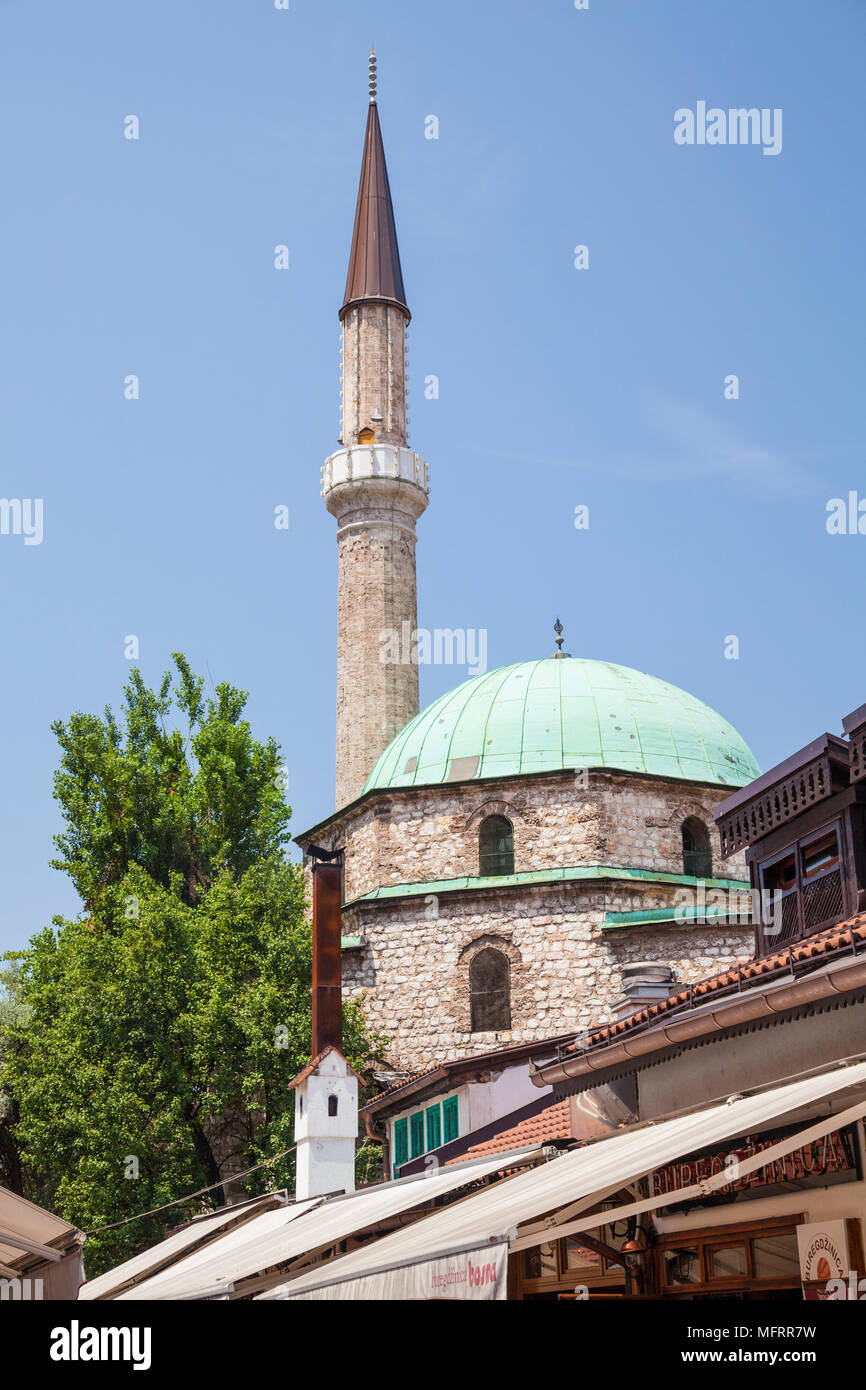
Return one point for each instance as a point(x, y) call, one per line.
point(37, 1245)
point(576, 1181)
point(198, 1233)
point(26, 1229)
point(274, 1239)
point(478, 1274)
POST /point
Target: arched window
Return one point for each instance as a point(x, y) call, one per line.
point(366, 436)
point(490, 991)
point(697, 854)
point(495, 846)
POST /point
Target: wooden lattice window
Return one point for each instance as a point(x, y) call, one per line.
point(803, 888)
point(697, 853)
point(495, 847)
point(490, 991)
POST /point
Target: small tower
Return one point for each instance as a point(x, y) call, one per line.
point(326, 1091)
point(375, 486)
point(326, 1125)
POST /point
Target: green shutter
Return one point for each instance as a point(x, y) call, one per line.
point(401, 1144)
point(450, 1121)
point(434, 1127)
point(417, 1123)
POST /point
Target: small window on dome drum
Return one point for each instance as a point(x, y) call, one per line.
point(697, 854)
point(490, 991)
point(495, 847)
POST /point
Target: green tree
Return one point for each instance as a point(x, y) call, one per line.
point(12, 1013)
point(160, 1032)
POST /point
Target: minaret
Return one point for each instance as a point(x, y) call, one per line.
point(375, 486)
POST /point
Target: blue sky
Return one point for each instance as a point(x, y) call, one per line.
point(602, 387)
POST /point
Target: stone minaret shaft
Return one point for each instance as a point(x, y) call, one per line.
point(376, 487)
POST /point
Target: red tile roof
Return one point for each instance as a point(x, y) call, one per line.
point(552, 1123)
point(466, 1063)
point(812, 949)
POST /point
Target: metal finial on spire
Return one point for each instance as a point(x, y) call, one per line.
point(558, 629)
point(372, 76)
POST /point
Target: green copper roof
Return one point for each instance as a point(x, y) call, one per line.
point(567, 874)
point(541, 716)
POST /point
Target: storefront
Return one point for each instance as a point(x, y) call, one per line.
point(748, 1241)
point(686, 1207)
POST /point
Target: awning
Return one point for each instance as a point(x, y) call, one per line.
point(475, 1273)
point(274, 1239)
point(37, 1245)
point(570, 1186)
point(200, 1232)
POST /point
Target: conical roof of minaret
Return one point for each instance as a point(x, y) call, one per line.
point(374, 265)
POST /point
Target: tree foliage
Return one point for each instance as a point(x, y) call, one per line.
point(160, 1031)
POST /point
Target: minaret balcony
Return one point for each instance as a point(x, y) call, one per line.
point(359, 462)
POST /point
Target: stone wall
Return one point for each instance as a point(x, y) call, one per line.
point(373, 360)
point(424, 835)
point(413, 971)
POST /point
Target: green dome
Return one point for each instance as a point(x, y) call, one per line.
point(540, 716)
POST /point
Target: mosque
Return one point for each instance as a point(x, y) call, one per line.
point(535, 852)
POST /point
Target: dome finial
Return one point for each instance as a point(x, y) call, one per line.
point(372, 76)
point(558, 629)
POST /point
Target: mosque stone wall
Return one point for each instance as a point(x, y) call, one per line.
point(566, 973)
point(425, 835)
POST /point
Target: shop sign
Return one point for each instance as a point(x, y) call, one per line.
point(824, 1260)
point(829, 1154)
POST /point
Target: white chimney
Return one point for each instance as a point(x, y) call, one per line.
point(326, 1125)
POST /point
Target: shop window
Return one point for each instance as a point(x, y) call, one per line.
point(802, 889)
point(434, 1127)
point(490, 991)
point(450, 1120)
point(682, 1266)
point(416, 1125)
point(552, 1270)
point(776, 1257)
point(697, 854)
point(495, 847)
point(747, 1258)
point(726, 1261)
point(579, 1256)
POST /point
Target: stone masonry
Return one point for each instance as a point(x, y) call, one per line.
point(377, 495)
point(412, 969)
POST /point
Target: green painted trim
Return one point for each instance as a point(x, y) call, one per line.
point(351, 943)
point(616, 921)
point(416, 1134)
point(401, 1142)
point(564, 875)
point(450, 1120)
point(434, 1126)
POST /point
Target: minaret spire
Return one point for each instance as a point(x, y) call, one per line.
point(374, 262)
point(375, 486)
